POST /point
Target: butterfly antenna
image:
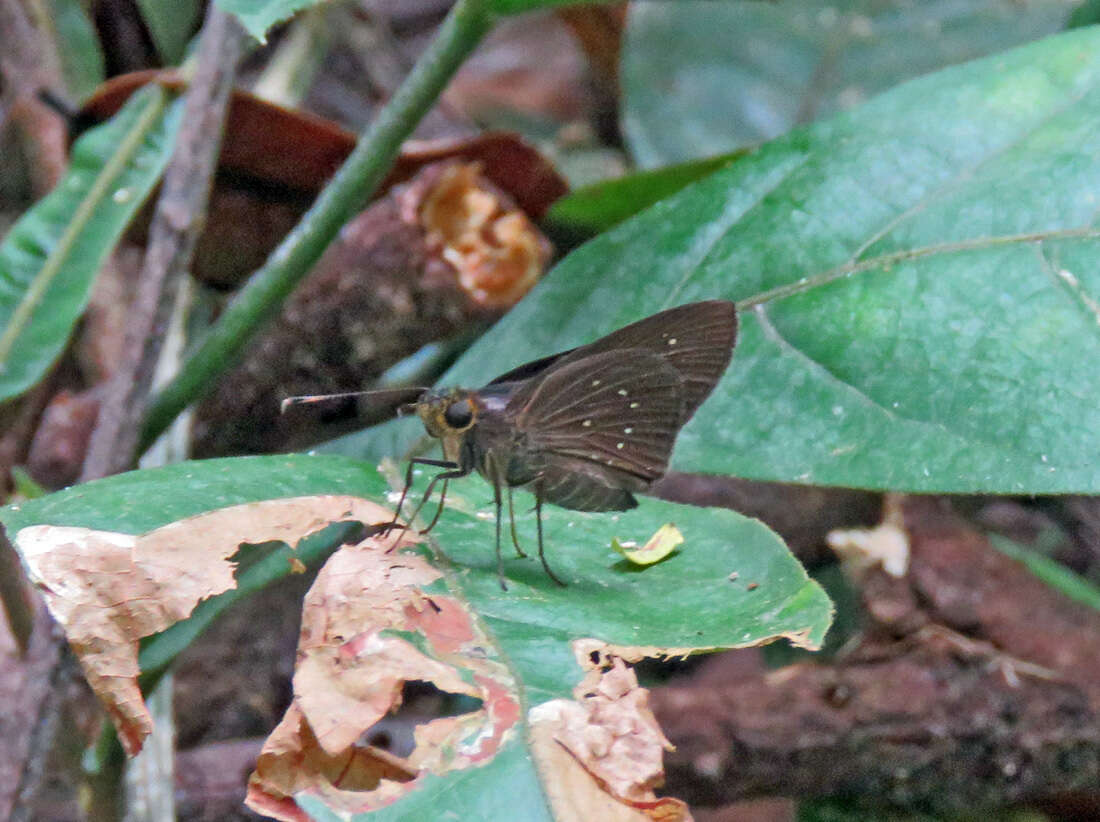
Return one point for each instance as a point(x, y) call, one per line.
point(312, 399)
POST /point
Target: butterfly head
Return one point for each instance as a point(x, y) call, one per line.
point(448, 415)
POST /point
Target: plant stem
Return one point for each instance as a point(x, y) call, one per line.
point(173, 234)
point(346, 193)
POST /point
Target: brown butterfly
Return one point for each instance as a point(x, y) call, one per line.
point(585, 429)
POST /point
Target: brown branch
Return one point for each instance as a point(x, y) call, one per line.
point(29, 64)
point(15, 596)
point(975, 685)
point(176, 225)
point(36, 692)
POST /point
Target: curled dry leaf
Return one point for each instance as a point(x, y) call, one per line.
point(663, 542)
point(368, 627)
point(108, 590)
point(294, 150)
point(604, 750)
point(275, 160)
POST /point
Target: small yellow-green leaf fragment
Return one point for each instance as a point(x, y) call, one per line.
point(659, 546)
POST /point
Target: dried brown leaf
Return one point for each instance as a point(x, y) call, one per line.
point(601, 754)
point(108, 590)
point(367, 628)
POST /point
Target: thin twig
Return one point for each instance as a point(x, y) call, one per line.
point(346, 193)
point(63, 673)
point(176, 225)
point(14, 594)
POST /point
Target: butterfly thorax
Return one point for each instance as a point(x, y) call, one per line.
point(466, 422)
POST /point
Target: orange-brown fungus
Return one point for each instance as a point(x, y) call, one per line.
point(495, 249)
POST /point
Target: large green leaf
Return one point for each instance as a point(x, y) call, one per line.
point(919, 280)
point(50, 257)
point(702, 78)
point(732, 583)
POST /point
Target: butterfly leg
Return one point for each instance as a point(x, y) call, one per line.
point(500, 511)
point(455, 470)
point(512, 522)
point(439, 510)
point(542, 556)
point(456, 473)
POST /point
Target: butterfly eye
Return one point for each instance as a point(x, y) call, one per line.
point(459, 414)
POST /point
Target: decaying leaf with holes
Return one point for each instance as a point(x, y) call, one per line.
point(368, 627)
point(605, 749)
point(109, 590)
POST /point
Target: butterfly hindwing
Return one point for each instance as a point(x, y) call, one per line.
point(619, 410)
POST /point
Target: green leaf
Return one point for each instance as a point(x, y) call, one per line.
point(506, 788)
point(170, 25)
point(1054, 574)
point(587, 211)
point(700, 78)
point(77, 47)
point(25, 485)
point(258, 16)
point(520, 6)
point(687, 602)
point(50, 257)
point(919, 285)
point(140, 501)
point(1087, 13)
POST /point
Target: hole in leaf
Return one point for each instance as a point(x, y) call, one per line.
point(420, 702)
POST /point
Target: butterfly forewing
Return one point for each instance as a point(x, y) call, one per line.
point(617, 410)
point(696, 340)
